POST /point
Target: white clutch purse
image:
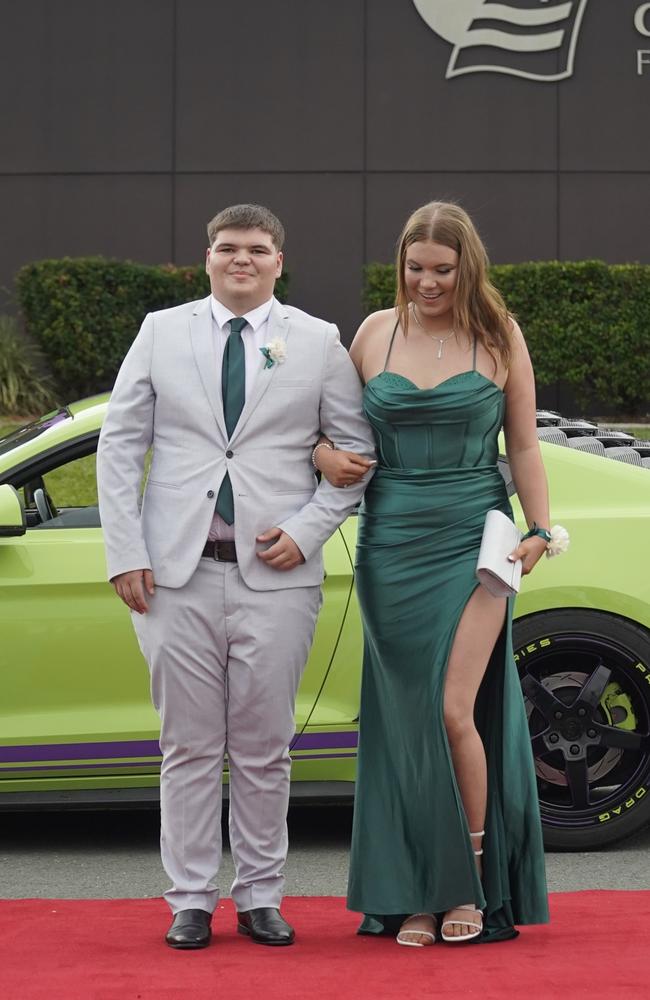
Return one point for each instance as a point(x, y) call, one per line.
point(493, 569)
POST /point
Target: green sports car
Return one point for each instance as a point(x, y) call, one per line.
point(76, 723)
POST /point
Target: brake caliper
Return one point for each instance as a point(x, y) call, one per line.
point(617, 706)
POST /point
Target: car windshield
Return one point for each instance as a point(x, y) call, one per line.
point(33, 429)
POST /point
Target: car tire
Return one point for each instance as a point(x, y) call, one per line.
point(585, 677)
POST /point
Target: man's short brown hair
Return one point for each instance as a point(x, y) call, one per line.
point(247, 217)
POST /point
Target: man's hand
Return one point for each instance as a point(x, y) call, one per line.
point(133, 586)
point(283, 554)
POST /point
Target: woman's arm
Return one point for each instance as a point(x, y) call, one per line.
point(340, 468)
point(522, 449)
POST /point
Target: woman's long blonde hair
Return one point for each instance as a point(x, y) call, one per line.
point(478, 306)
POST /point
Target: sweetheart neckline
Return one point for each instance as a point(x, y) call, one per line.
point(469, 371)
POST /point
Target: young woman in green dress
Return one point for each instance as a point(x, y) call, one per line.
point(446, 838)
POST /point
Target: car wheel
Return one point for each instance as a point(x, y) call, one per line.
point(585, 676)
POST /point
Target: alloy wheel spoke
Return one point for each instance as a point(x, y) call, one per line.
point(539, 746)
point(540, 697)
point(594, 688)
point(578, 779)
point(620, 739)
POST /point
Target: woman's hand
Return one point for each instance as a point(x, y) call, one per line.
point(342, 468)
point(530, 551)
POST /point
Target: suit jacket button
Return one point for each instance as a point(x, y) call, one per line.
point(210, 494)
point(229, 454)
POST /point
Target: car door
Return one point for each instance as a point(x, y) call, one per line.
point(75, 701)
point(75, 687)
point(337, 588)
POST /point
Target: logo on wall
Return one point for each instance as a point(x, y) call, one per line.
point(535, 39)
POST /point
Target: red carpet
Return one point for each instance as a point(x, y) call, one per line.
point(595, 947)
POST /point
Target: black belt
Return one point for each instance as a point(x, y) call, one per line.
point(221, 551)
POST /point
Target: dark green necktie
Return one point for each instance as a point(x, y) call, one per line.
point(233, 391)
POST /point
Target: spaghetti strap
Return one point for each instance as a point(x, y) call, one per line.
point(474, 356)
point(390, 346)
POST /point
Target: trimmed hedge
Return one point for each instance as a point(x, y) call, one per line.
point(85, 312)
point(586, 323)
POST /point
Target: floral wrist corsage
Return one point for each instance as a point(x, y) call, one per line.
point(558, 542)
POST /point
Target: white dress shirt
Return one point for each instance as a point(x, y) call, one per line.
point(254, 336)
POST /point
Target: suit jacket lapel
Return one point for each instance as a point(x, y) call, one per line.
point(203, 347)
point(278, 326)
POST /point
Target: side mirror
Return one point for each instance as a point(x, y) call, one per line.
point(12, 512)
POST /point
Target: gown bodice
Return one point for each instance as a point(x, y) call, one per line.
point(455, 425)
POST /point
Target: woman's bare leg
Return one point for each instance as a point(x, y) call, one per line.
point(476, 636)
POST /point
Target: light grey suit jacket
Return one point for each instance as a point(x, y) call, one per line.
point(168, 394)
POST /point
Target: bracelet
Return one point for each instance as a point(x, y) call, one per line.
point(557, 539)
point(323, 444)
point(536, 530)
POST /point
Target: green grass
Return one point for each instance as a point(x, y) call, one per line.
point(7, 425)
point(642, 432)
point(73, 485)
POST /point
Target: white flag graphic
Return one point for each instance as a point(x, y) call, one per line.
point(514, 38)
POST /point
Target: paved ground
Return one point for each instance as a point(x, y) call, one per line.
point(115, 854)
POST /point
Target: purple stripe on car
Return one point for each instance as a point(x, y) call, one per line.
point(80, 751)
point(148, 748)
point(323, 741)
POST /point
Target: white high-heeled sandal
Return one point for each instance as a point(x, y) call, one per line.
point(412, 930)
point(475, 926)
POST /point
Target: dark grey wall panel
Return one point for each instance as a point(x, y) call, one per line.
point(270, 86)
point(605, 216)
point(323, 217)
point(116, 216)
point(604, 108)
point(515, 213)
point(418, 120)
point(86, 86)
point(338, 115)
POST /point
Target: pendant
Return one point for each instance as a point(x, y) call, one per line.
point(441, 342)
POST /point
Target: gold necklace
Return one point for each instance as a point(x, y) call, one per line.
point(441, 340)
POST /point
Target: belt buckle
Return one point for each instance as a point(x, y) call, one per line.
point(227, 548)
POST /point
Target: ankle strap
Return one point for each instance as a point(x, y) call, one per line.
point(481, 833)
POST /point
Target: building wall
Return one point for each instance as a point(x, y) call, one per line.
point(127, 125)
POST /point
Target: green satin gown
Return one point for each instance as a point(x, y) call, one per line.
point(419, 534)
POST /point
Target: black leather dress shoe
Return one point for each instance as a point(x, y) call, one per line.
point(265, 925)
point(190, 929)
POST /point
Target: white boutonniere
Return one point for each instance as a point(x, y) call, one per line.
point(274, 351)
point(559, 542)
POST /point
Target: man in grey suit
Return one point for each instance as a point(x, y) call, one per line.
point(222, 565)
